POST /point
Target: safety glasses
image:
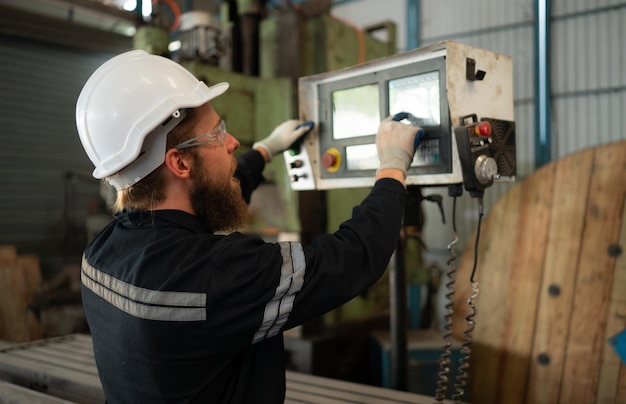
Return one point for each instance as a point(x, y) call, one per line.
point(216, 135)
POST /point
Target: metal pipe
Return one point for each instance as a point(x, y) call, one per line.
point(543, 138)
point(397, 317)
point(412, 24)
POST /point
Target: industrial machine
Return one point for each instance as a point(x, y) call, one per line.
point(462, 97)
point(288, 42)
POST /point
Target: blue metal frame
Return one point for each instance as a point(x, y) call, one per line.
point(412, 24)
point(543, 136)
point(412, 21)
point(336, 2)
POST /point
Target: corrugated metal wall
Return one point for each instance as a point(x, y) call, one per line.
point(588, 73)
point(503, 26)
point(588, 79)
point(45, 182)
point(45, 176)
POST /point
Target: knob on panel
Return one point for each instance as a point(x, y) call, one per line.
point(485, 169)
point(296, 164)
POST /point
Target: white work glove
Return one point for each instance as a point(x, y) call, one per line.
point(283, 136)
point(396, 144)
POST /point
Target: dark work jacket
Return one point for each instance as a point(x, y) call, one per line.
point(181, 315)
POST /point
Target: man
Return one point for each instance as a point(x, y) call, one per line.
point(180, 311)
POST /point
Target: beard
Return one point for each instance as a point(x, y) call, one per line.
point(218, 204)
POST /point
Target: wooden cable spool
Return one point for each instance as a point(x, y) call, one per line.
point(552, 279)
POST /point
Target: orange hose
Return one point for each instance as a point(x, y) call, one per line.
point(360, 37)
point(175, 10)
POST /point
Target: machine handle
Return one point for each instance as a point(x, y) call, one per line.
point(420, 135)
point(294, 148)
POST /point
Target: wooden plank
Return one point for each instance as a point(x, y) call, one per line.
point(349, 392)
point(19, 279)
point(70, 345)
point(561, 264)
point(319, 394)
point(294, 396)
point(621, 387)
point(595, 276)
point(60, 382)
point(38, 364)
point(495, 261)
point(79, 344)
point(12, 304)
point(523, 287)
point(30, 269)
point(41, 363)
point(42, 355)
point(7, 253)
point(83, 339)
point(611, 364)
point(513, 252)
point(8, 258)
point(69, 350)
point(11, 393)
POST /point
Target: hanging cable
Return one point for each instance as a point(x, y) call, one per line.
point(466, 352)
point(444, 360)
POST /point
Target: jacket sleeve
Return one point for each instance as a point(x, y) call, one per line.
point(344, 264)
point(249, 171)
point(260, 289)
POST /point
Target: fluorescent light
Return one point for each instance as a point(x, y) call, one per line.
point(174, 46)
point(146, 7)
point(130, 5)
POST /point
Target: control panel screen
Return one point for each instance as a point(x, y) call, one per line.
point(418, 95)
point(355, 112)
point(351, 110)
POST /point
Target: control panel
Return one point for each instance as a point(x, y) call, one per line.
point(439, 87)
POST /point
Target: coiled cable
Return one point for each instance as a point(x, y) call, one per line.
point(466, 352)
point(444, 359)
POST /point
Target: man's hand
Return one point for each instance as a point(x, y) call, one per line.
point(395, 143)
point(281, 138)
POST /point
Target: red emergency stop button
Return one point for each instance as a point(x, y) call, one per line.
point(483, 129)
point(331, 160)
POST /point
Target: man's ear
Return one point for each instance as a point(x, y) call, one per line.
point(178, 164)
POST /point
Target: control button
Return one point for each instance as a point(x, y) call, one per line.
point(483, 129)
point(296, 164)
point(328, 160)
point(331, 160)
point(294, 150)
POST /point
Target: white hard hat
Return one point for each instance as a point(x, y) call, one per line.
point(128, 106)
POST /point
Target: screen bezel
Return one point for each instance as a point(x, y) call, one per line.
point(381, 78)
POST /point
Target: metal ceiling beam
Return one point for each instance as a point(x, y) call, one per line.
point(103, 9)
point(23, 24)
